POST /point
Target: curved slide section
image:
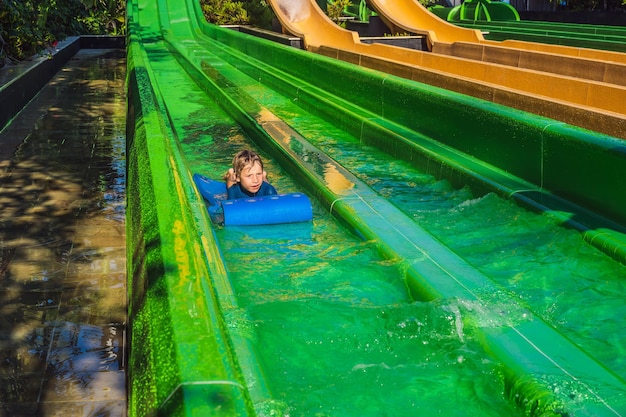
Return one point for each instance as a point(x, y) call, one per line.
point(305, 19)
point(411, 16)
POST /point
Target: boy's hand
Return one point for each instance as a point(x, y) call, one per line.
point(230, 177)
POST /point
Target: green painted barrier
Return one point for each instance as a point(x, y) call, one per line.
point(579, 28)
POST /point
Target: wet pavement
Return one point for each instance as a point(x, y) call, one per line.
point(63, 245)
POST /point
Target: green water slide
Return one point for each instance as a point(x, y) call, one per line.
point(194, 349)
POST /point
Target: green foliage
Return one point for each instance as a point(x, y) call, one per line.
point(246, 12)
point(28, 27)
point(260, 12)
point(335, 9)
point(104, 17)
point(224, 12)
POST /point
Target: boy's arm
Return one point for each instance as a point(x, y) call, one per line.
point(230, 178)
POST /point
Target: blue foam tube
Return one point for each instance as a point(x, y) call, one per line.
point(274, 209)
point(212, 191)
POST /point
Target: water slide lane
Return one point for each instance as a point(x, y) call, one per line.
point(358, 206)
point(176, 318)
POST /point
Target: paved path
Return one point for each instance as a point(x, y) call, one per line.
point(63, 247)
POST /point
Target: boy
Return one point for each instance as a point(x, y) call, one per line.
point(247, 178)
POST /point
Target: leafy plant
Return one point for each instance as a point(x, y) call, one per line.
point(224, 12)
point(28, 27)
point(261, 14)
point(335, 9)
point(104, 17)
point(245, 12)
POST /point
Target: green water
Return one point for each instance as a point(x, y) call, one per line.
point(339, 336)
point(337, 333)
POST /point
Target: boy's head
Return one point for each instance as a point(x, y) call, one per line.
point(248, 169)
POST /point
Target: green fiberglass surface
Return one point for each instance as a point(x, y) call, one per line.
point(309, 319)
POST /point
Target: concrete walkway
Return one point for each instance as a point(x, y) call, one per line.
point(62, 245)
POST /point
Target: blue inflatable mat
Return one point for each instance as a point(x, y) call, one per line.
point(273, 209)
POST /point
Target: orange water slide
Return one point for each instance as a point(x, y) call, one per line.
point(304, 19)
point(596, 104)
point(411, 17)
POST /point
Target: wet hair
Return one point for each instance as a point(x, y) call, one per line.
point(244, 158)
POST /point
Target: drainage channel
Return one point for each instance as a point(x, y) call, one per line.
point(63, 246)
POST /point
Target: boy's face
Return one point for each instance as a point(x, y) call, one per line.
point(251, 177)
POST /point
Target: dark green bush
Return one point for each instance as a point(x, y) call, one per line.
point(224, 12)
point(29, 27)
point(228, 12)
point(260, 12)
point(103, 17)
